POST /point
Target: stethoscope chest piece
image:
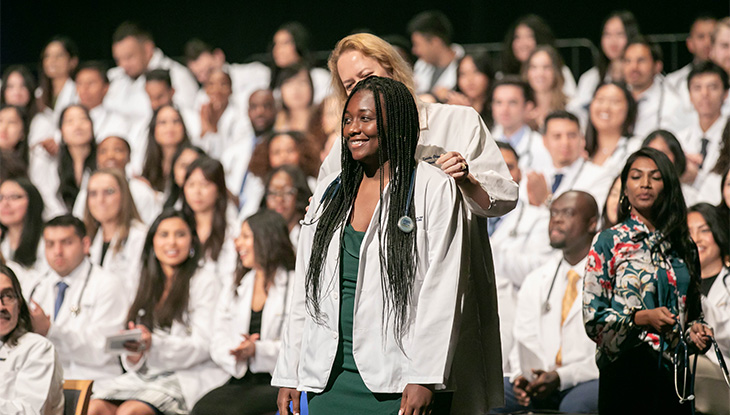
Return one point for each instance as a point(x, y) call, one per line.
point(75, 310)
point(405, 224)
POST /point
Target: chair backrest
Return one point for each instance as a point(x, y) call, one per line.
point(77, 394)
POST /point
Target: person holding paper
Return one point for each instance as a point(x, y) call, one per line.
point(31, 376)
point(77, 304)
point(169, 368)
point(553, 358)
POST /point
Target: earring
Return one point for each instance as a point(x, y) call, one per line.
point(192, 253)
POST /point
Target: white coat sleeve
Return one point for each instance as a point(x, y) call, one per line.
point(525, 329)
point(487, 166)
point(437, 310)
point(287, 365)
point(577, 372)
point(174, 351)
point(226, 336)
point(107, 317)
point(33, 382)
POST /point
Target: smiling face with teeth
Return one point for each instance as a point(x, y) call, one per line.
point(172, 242)
point(609, 109)
point(360, 128)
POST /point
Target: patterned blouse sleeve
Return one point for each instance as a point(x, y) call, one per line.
point(608, 322)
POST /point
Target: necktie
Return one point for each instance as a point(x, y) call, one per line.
point(556, 181)
point(62, 286)
point(571, 291)
point(703, 150)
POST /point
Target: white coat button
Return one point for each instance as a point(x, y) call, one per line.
point(335, 296)
point(334, 334)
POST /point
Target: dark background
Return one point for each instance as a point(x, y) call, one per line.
point(243, 28)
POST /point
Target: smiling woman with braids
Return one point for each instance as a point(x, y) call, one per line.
point(380, 240)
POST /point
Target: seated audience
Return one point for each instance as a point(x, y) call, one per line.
point(618, 27)
point(135, 53)
point(435, 71)
point(21, 223)
point(205, 198)
point(170, 368)
point(609, 135)
point(76, 304)
point(542, 71)
point(290, 45)
point(474, 78)
point(18, 89)
point(167, 133)
point(114, 227)
point(706, 229)
point(14, 155)
point(295, 85)
point(668, 144)
point(288, 194)
point(31, 373)
point(699, 44)
point(92, 85)
point(183, 158)
point(553, 358)
point(222, 124)
point(249, 318)
point(512, 103)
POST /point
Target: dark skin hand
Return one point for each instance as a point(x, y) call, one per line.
point(416, 400)
point(287, 395)
point(544, 384)
point(660, 319)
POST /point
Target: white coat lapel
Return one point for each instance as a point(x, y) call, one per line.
point(720, 292)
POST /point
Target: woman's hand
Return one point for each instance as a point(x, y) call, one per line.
point(699, 334)
point(659, 319)
point(144, 343)
point(453, 164)
point(246, 349)
point(287, 395)
point(416, 400)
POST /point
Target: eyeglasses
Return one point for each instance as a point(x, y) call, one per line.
point(11, 198)
point(8, 298)
point(283, 193)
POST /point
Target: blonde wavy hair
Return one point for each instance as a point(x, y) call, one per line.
point(558, 99)
point(375, 48)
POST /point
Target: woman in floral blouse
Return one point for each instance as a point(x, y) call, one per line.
point(641, 291)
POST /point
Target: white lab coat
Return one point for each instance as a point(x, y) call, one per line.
point(28, 276)
point(225, 266)
point(587, 84)
point(531, 149)
point(235, 163)
point(460, 128)
point(128, 97)
point(691, 140)
point(246, 78)
point(582, 175)
point(678, 80)
point(108, 123)
point(233, 126)
point(126, 264)
point(184, 348)
point(423, 73)
point(31, 377)
point(308, 349)
point(45, 123)
point(541, 332)
point(80, 337)
point(659, 107)
point(716, 307)
point(232, 319)
point(615, 163)
point(43, 172)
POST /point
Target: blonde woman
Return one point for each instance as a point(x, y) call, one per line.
point(114, 226)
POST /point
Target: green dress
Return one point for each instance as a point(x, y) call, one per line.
point(346, 392)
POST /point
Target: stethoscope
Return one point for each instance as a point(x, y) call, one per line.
point(405, 222)
point(546, 304)
point(76, 308)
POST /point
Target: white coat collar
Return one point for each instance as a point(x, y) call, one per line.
point(720, 292)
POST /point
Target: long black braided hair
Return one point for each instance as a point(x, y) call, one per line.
point(398, 138)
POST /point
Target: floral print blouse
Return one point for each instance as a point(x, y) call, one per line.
point(623, 275)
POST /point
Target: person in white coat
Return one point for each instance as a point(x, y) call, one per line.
point(553, 358)
point(288, 194)
point(21, 223)
point(455, 138)
point(512, 101)
point(77, 304)
point(398, 341)
point(135, 53)
point(435, 71)
point(92, 85)
point(706, 226)
point(114, 227)
point(249, 319)
point(659, 106)
point(31, 376)
point(55, 92)
point(170, 368)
